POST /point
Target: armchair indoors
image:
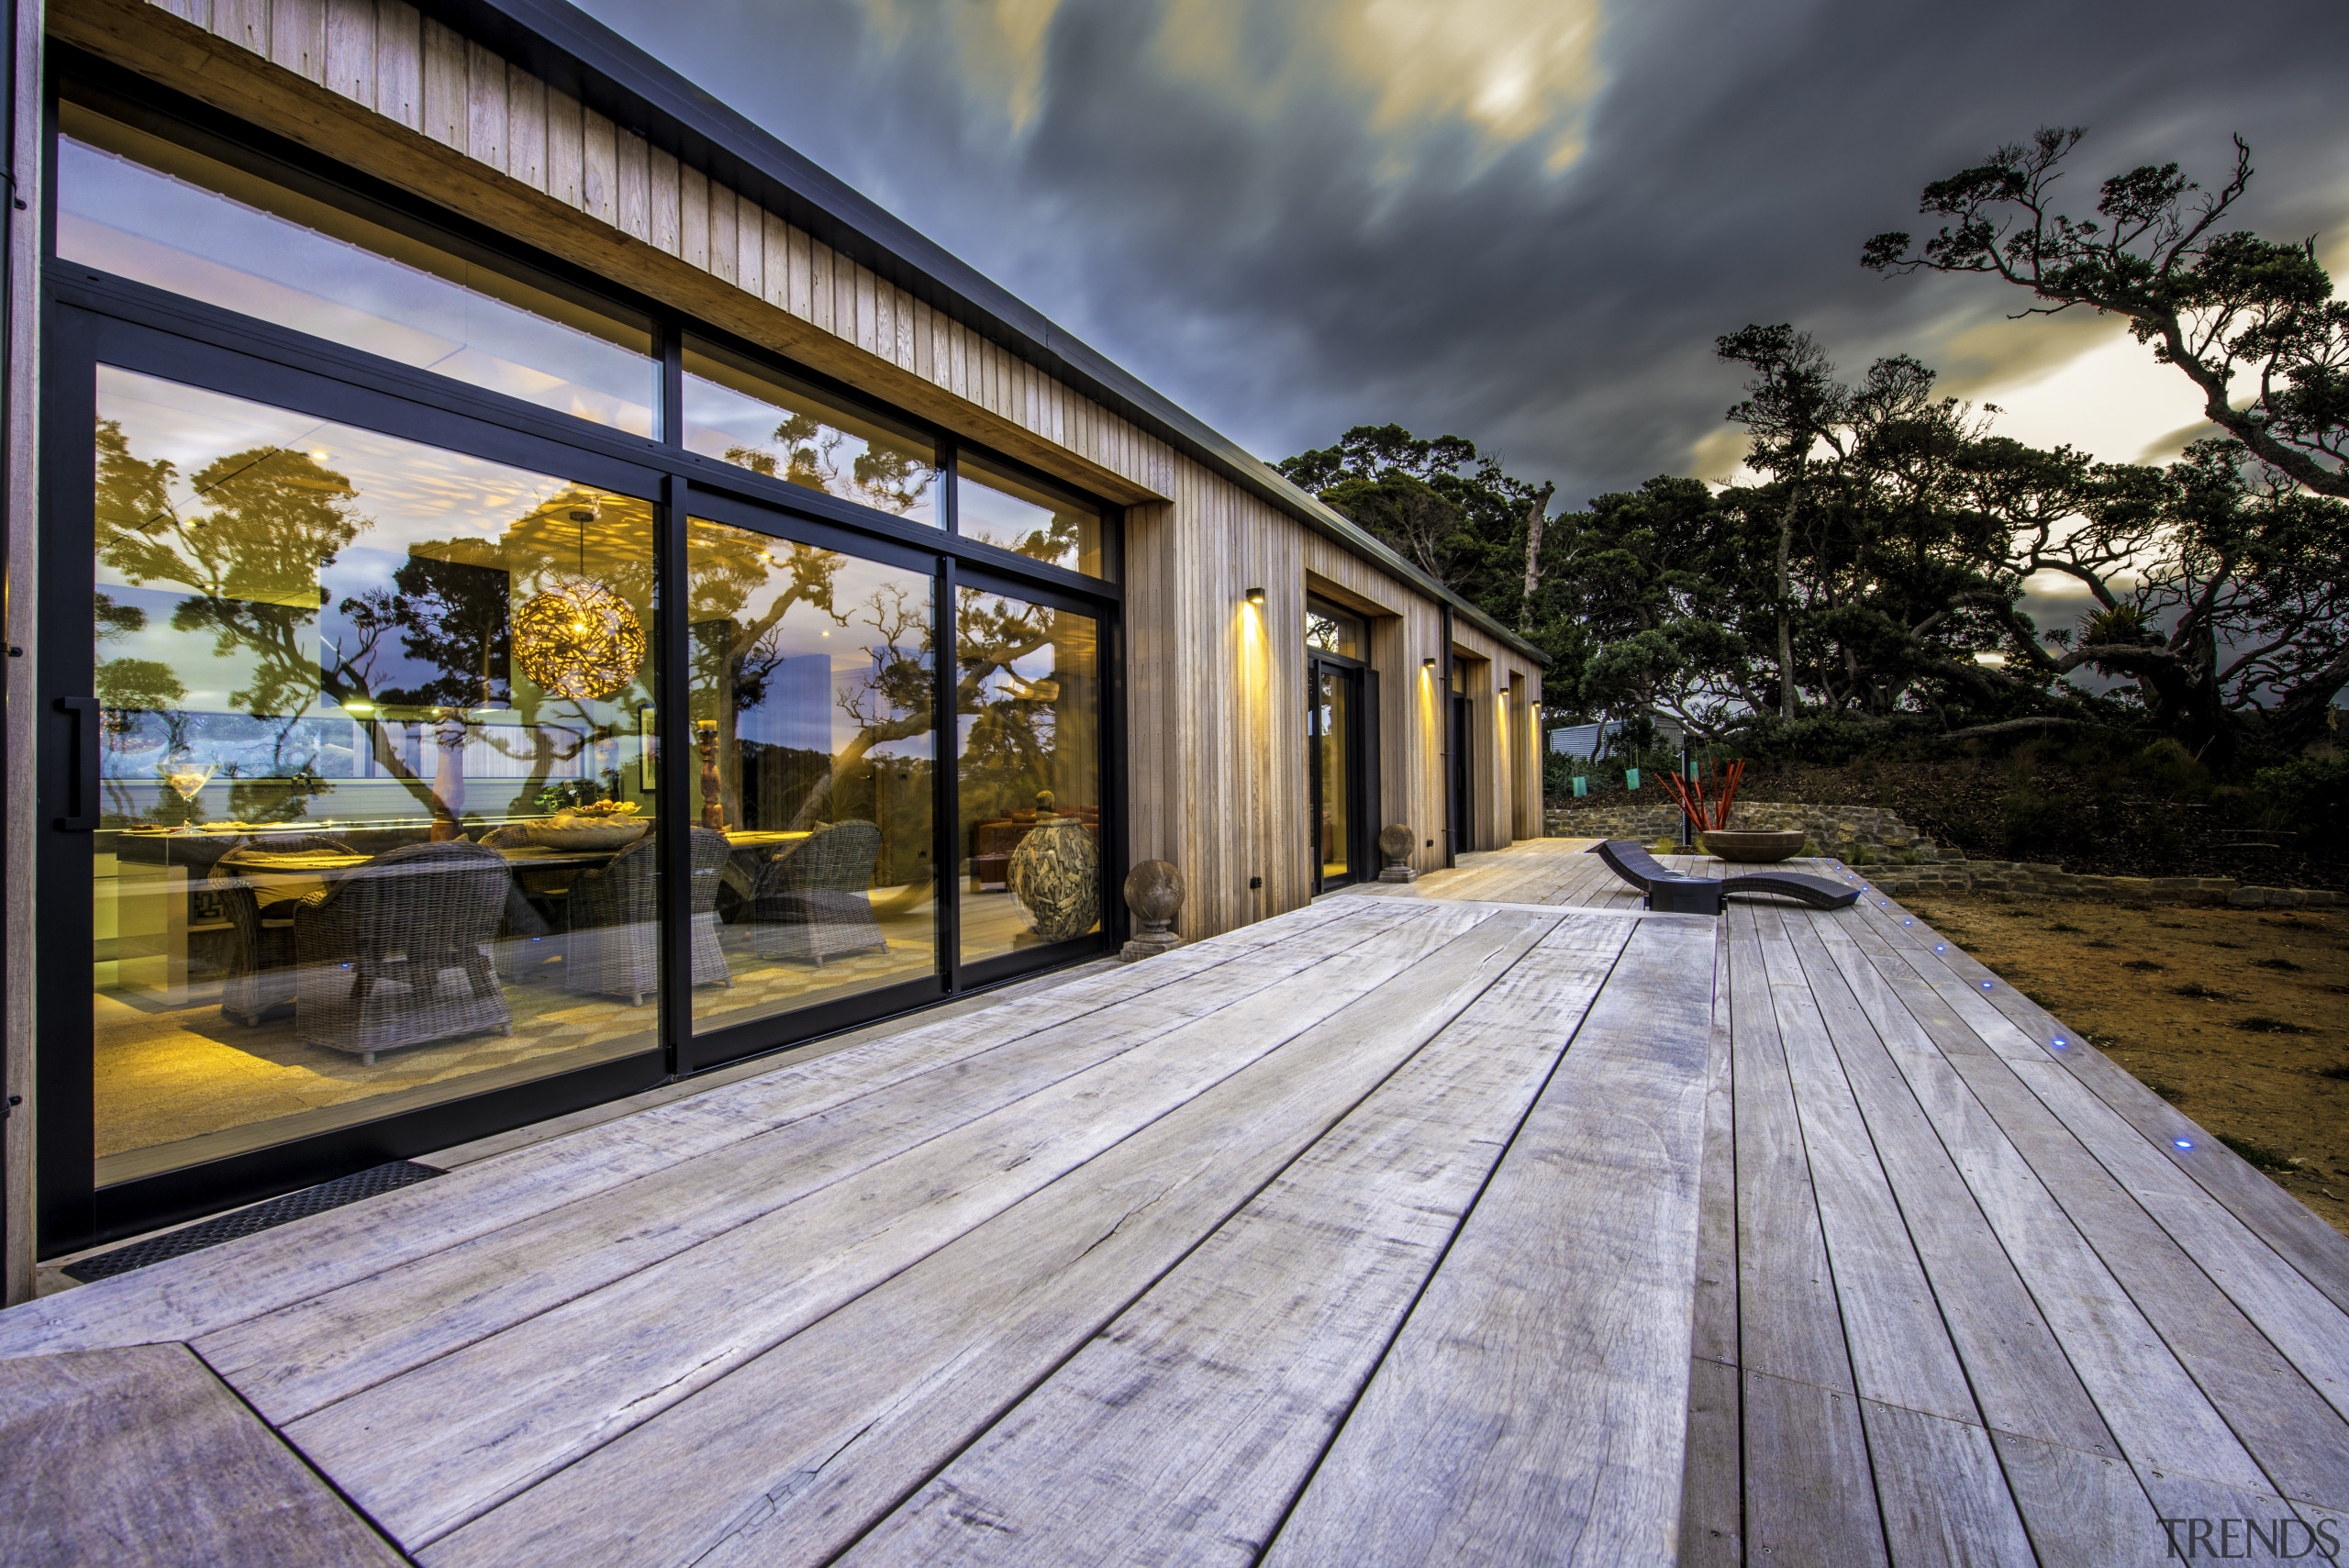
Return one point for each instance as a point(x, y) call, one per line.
point(393, 953)
point(811, 905)
point(614, 949)
point(260, 977)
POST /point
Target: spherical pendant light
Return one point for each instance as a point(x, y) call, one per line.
point(578, 639)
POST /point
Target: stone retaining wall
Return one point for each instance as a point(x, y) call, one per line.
point(1899, 859)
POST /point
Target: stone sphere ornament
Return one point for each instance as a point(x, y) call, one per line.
point(1395, 842)
point(1056, 875)
point(1154, 895)
point(579, 640)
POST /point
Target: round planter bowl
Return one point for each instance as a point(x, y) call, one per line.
point(587, 834)
point(1753, 848)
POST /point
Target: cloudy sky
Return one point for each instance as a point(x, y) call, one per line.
point(1524, 221)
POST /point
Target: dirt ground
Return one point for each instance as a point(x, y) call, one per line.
point(2239, 1017)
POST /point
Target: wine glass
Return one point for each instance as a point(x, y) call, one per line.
point(185, 774)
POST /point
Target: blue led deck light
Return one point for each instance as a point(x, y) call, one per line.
point(1986, 985)
point(1941, 947)
point(1908, 922)
point(2183, 1143)
point(2060, 1042)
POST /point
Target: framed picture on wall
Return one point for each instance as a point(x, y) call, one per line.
point(648, 749)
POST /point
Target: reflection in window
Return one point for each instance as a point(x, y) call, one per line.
point(1028, 699)
point(995, 507)
point(149, 209)
point(1328, 630)
point(369, 841)
point(813, 702)
point(746, 414)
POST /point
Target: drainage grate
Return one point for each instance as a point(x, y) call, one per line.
point(246, 1221)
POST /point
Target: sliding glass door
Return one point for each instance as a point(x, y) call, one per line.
point(368, 769)
point(469, 695)
point(813, 772)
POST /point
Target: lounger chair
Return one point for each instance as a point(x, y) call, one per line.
point(1641, 869)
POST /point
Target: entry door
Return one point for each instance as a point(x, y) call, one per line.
point(1337, 818)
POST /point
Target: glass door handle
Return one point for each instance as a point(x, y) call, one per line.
point(82, 766)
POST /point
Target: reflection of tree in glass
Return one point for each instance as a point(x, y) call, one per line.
point(125, 686)
point(884, 479)
point(270, 518)
point(892, 701)
point(1054, 543)
point(735, 648)
point(1007, 756)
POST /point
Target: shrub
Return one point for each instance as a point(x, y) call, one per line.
point(2310, 795)
point(2030, 825)
point(2168, 766)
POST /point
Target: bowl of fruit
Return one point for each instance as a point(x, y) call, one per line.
point(603, 825)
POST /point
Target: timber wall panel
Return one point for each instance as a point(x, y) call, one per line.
point(398, 45)
point(1216, 744)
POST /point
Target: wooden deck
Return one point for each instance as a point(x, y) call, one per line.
point(1487, 1221)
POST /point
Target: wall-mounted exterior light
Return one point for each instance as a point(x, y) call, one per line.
point(1255, 596)
point(1428, 663)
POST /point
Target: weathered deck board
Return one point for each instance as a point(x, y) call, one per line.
point(140, 1456)
point(1444, 1458)
point(1180, 1433)
point(298, 1360)
point(888, 1389)
point(515, 1407)
point(1307, 1244)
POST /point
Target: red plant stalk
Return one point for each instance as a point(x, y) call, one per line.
point(1708, 811)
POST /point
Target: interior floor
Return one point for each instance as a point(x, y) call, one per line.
point(180, 1084)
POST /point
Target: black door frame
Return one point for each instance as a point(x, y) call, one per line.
point(92, 319)
point(1462, 770)
point(74, 1212)
point(1360, 682)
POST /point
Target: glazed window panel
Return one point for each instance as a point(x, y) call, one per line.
point(374, 828)
point(1328, 630)
point(742, 413)
point(813, 693)
point(146, 208)
point(1026, 517)
point(1028, 699)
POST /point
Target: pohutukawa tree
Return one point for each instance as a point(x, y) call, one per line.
point(2252, 322)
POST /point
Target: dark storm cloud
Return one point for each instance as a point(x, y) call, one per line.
point(1257, 246)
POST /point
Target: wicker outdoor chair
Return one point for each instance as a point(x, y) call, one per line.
point(614, 949)
point(261, 963)
point(393, 954)
point(811, 905)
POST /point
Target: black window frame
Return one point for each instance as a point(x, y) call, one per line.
point(91, 318)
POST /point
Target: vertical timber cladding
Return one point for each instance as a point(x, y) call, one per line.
point(1217, 764)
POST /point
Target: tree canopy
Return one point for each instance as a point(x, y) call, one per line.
point(1873, 566)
